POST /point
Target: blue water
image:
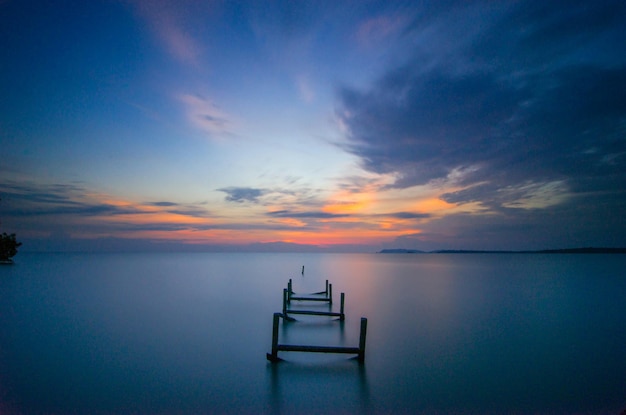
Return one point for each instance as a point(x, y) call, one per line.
point(188, 334)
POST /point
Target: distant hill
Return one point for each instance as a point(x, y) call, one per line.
point(585, 251)
point(588, 250)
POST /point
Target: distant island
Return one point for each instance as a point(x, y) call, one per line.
point(589, 250)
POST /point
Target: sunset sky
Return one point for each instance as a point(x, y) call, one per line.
point(347, 125)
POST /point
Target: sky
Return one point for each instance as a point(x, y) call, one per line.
point(348, 126)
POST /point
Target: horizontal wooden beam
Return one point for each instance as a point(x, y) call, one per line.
point(315, 313)
point(360, 351)
point(310, 298)
point(287, 311)
point(328, 294)
point(317, 349)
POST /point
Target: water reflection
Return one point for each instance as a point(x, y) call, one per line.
point(338, 385)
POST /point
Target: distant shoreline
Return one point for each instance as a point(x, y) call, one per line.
point(542, 251)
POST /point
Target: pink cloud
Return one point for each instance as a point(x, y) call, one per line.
point(206, 116)
point(169, 21)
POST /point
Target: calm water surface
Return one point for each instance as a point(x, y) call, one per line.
point(188, 334)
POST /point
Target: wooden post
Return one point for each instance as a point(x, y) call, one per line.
point(302, 269)
point(343, 316)
point(326, 291)
point(359, 351)
point(285, 300)
point(362, 337)
point(330, 293)
point(290, 288)
point(274, 356)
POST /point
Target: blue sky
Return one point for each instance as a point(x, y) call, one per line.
point(346, 126)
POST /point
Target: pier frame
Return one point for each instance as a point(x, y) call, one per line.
point(328, 294)
point(276, 347)
point(287, 311)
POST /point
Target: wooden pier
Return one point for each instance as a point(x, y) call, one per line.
point(287, 311)
point(276, 347)
point(323, 296)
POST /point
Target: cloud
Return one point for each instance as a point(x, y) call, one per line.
point(527, 107)
point(206, 116)
point(181, 209)
point(171, 21)
point(164, 204)
point(243, 194)
point(309, 214)
point(25, 200)
point(408, 215)
point(37, 209)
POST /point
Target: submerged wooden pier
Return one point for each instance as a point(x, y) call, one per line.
point(287, 311)
point(277, 347)
point(322, 296)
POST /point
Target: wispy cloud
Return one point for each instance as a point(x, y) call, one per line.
point(309, 214)
point(75, 210)
point(206, 116)
point(169, 21)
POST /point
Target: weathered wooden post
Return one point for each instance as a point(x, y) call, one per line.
point(290, 288)
point(342, 316)
point(302, 269)
point(285, 300)
point(330, 293)
point(362, 339)
point(274, 356)
point(326, 291)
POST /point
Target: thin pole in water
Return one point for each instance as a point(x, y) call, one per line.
point(275, 335)
point(362, 336)
point(343, 316)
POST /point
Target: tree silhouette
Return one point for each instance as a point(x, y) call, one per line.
point(8, 247)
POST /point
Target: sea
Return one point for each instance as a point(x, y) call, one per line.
point(188, 333)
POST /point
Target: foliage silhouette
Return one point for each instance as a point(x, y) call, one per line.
point(8, 247)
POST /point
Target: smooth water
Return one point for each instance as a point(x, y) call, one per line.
point(188, 334)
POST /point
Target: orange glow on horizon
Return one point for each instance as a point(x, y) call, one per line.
point(346, 203)
point(362, 219)
point(432, 205)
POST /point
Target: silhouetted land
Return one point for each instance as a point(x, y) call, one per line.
point(588, 250)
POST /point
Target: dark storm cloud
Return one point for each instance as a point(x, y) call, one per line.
point(424, 127)
point(242, 194)
point(532, 93)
